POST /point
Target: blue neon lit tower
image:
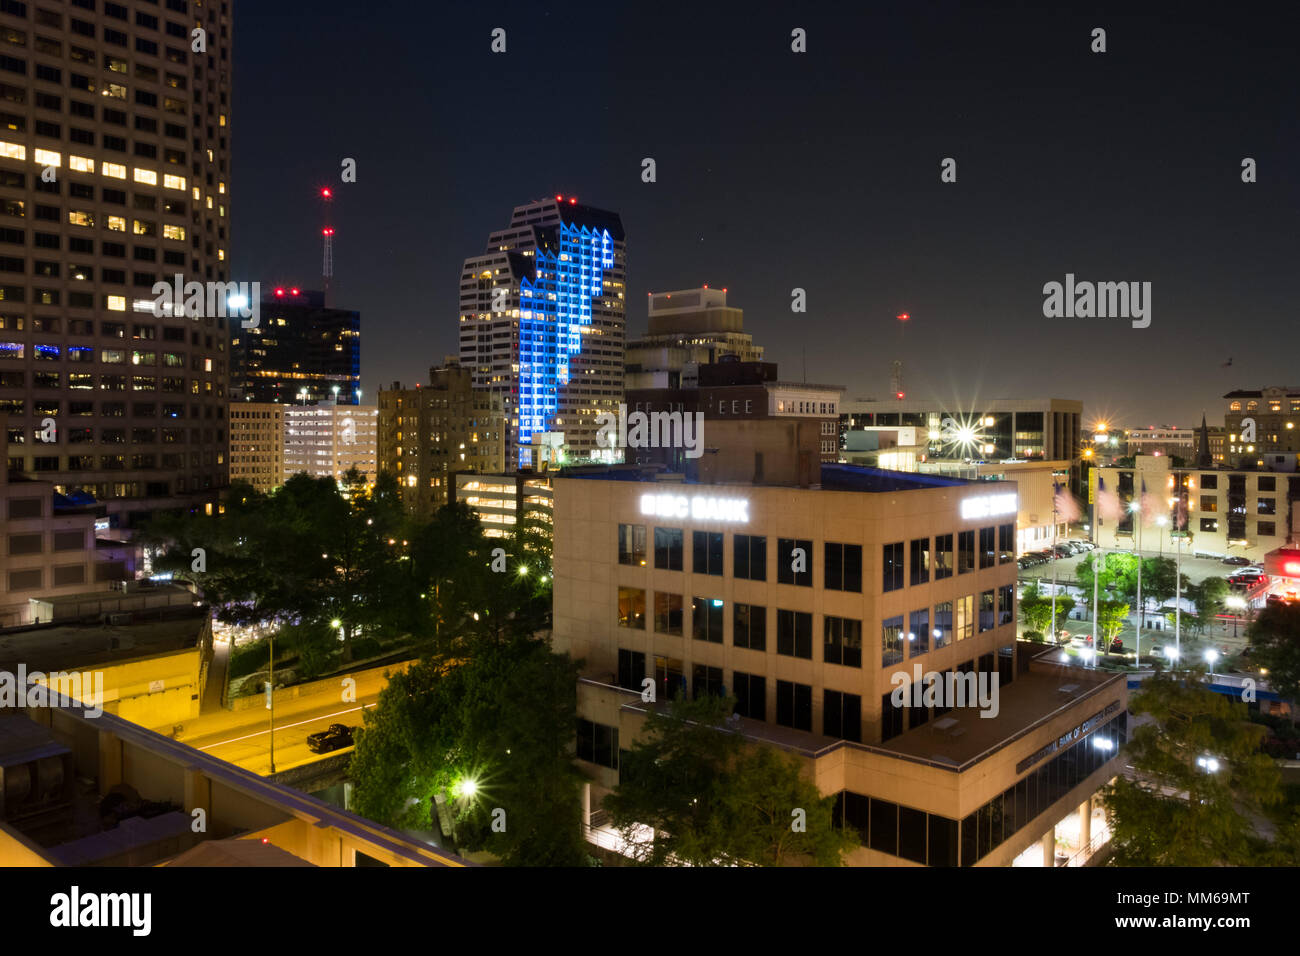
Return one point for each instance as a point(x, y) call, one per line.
point(542, 323)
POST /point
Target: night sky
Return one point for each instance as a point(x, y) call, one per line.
point(818, 170)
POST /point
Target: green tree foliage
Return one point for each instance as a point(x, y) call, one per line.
point(710, 798)
point(503, 717)
point(1174, 811)
point(1112, 616)
point(1036, 609)
point(1118, 576)
point(1208, 598)
point(1275, 645)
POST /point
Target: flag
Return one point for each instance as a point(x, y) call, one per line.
point(1149, 505)
point(1107, 502)
point(1067, 509)
point(1180, 513)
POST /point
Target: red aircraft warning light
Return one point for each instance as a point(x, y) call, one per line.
point(279, 291)
point(899, 396)
point(293, 291)
point(903, 316)
point(326, 193)
point(327, 231)
point(573, 200)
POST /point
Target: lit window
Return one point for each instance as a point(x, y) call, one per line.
point(117, 303)
point(221, 188)
point(47, 157)
point(114, 170)
point(13, 151)
point(174, 182)
point(173, 232)
point(81, 164)
point(222, 120)
point(221, 257)
point(115, 90)
point(209, 202)
point(117, 223)
point(146, 176)
point(77, 218)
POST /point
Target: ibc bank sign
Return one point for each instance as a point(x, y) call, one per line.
point(988, 506)
point(699, 507)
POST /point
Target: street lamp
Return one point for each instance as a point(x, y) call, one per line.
point(1209, 764)
point(1211, 656)
point(1238, 605)
point(1162, 521)
point(1172, 654)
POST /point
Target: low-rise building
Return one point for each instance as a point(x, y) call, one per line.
point(501, 500)
point(257, 444)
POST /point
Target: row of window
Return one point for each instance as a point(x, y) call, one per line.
point(34, 543)
point(141, 462)
point(33, 579)
point(842, 563)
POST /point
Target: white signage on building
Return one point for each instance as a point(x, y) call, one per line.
point(988, 506)
point(698, 508)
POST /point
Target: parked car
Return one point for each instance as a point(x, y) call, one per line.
point(1247, 580)
point(1062, 551)
point(336, 737)
point(1083, 545)
point(1237, 561)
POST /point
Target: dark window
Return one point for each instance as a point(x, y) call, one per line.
point(892, 566)
point(1006, 542)
point(843, 567)
point(965, 551)
point(920, 561)
point(988, 616)
point(631, 544)
point(751, 695)
point(794, 705)
point(794, 634)
point(706, 680)
point(792, 554)
point(668, 613)
point(988, 553)
point(749, 626)
point(597, 743)
point(942, 556)
point(706, 619)
point(706, 552)
point(911, 834)
point(668, 549)
point(843, 641)
point(750, 557)
point(942, 841)
point(918, 632)
point(842, 716)
point(891, 641)
point(884, 826)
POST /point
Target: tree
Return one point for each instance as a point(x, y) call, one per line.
point(1036, 608)
point(1112, 616)
point(502, 717)
point(1208, 596)
point(1178, 809)
point(1275, 645)
point(1118, 576)
point(709, 798)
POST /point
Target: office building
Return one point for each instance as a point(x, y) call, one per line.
point(1229, 511)
point(114, 175)
point(330, 440)
point(257, 444)
point(542, 323)
point(687, 328)
point(1172, 442)
point(429, 434)
point(1261, 427)
point(299, 352)
point(812, 606)
point(501, 500)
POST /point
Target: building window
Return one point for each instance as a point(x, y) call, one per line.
point(1209, 524)
point(631, 544)
point(965, 551)
point(1266, 506)
point(749, 626)
point(707, 552)
point(843, 641)
point(706, 619)
point(597, 743)
point(1210, 483)
point(1210, 503)
point(1006, 542)
point(918, 632)
point(750, 557)
point(891, 718)
point(706, 680)
point(843, 567)
point(631, 608)
point(1006, 604)
point(988, 555)
point(669, 677)
point(668, 549)
point(842, 716)
point(1266, 529)
point(1266, 482)
point(892, 566)
point(942, 556)
point(794, 561)
point(920, 561)
point(891, 641)
point(965, 624)
point(794, 705)
point(668, 613)
point(794, 634)
point(751, 695)
point(988, 615)
point(942, 632)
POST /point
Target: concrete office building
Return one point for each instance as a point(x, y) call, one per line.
point(300, 351)
point(1229, 512)
point(136, 128)
point(329, 440)
point(257, 444)
point(805, 604)
point(501, 500)
point(687, 328)
point(429, 434)
point(542, 323)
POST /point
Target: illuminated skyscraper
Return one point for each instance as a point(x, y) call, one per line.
point(542, 323)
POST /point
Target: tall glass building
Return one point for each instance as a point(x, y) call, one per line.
point(542, 325)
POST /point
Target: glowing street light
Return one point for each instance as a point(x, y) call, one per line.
point(1209, 764)
point(1211, 656)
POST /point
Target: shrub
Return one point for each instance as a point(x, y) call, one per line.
point(249, 658)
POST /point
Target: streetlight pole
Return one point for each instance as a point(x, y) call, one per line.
point(270, 697)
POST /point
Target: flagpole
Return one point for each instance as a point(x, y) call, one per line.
point(1178, 584)
point(1054, 560)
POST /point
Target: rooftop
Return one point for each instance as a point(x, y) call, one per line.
point(55, 647)
point(833, 478)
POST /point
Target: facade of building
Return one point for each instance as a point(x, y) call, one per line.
point(1230, 512)
point(542, 322)
point(1174, 442)
point(501, 500)
point(687, 328)
point(330, 440)
point(257, 444)
point(732, 390)
point(1261, 426)
point(133, 128)
point(812, 607)
point(429, 434)
point(300, 351)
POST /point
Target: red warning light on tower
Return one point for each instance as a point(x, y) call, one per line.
point(279, 292)
point(293, 291)
point(326, 193)
point(327, 231)
point(573, 200)
point(899, 396)
point(903, 316)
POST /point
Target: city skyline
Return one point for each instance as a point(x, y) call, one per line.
point(819, 171)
